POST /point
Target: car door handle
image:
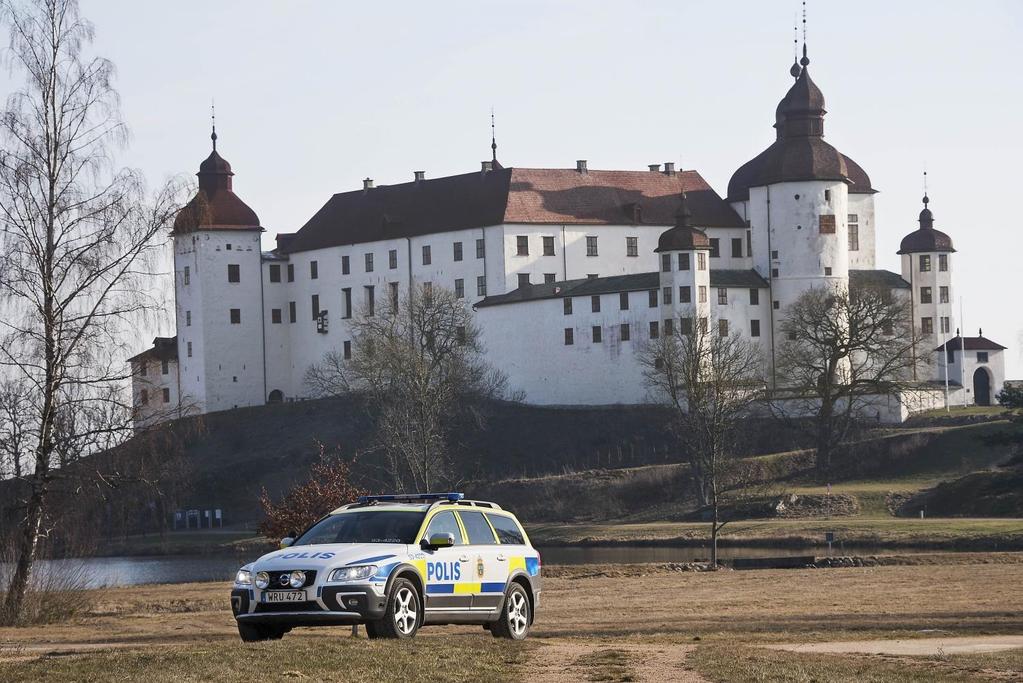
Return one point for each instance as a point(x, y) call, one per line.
point(463, 558)
point(501, 558)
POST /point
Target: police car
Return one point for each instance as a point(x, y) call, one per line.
point(395, 563)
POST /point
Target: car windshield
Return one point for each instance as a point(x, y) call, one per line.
point(367, 526)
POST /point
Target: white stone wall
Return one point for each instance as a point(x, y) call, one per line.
point(862, 206)
point(159, 406)
point(935, 279)
point(962, 371)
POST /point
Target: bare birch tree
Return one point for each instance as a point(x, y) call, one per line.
point(710, 382)
point(421, 365)
point(839, 350)
point(77, 244)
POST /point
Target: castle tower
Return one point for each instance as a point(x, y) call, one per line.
point(927, 266)
point(218, 290)
point(685, 274)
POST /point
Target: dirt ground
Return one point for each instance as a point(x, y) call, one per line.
point(625, 622)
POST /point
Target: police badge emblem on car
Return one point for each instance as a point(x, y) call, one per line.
point(479, 567)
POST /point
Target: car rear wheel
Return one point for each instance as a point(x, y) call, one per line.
point(404, 613)
point(254, 633)
point(514, 620)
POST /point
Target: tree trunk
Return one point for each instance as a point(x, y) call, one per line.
point(28, 546)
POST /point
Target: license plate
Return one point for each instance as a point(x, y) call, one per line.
point(284, 596)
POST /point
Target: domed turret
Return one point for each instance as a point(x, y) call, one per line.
point(926, 239)
point(215, 206)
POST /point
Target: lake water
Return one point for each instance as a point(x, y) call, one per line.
point(129, 571)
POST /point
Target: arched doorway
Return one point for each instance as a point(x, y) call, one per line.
point(276, 396)
point(982, 387)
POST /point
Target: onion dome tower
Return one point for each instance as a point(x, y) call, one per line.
point(685, 273)
point(215, 206)
point(927, 267)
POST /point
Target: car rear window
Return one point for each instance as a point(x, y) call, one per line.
point(477, 528)
point(507, 530)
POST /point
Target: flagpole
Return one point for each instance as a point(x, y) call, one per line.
point(962, 349)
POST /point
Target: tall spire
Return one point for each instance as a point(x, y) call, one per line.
point(493, 137)
point(794, 69)
point(926, 217)
point(213, 123)
point(805, 60)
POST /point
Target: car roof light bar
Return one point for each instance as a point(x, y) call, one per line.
point(410, 497)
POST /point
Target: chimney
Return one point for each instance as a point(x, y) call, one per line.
point(367, 184)
point(486, 166)
point(580, 166)
point(669, 168)
point(654, 168)
point(420, 176)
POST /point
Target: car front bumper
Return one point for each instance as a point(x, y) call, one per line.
point(338, 604)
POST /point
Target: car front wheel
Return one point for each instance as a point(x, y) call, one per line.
point(404, 613)
point(514, 620)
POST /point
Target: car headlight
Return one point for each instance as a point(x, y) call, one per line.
point(243, 577)
point(297, 579)
point(262, 580)
point(353, 573)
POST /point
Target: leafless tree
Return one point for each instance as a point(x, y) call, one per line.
point(839, 351)
point(420, 363)
point(15, 416)
point(77, 246)
point(710, 382)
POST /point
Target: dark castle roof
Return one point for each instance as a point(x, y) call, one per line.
point(511, 195)
point(883, 279)
point(163, 348)
point(215, 206)
point(926, 239)
point(980, 343)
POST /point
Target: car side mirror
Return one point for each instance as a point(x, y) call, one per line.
point(444, 540)
point(287, 541)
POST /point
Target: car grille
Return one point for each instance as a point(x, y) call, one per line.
point(307, 606)
point(275, 580)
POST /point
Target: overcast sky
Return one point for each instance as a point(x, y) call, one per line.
point(312, 97)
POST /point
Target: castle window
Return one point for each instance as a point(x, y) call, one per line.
point(950, 354)
point(394, 295)
point(685, 326)
point(945, 324)
point(549, 278)
point(702, 292)
point(275, 316)
point(233, 272)
point(460, 335)
point(754, 296)
point(292, 312)
point(722, 327)
point(548, 246)
point(371, 301)
point(568, 305)
point(652, 296)
point(427, 257)
point(591, 246)
point(144, 397)
point(774, 272)
point(314, 270)
point(715, 247)
point(229, 247)
point(943, 262)
point(624, 332)
point(569, 336)
point(623, 301)
point(854, 235)
point(774, 255)
point(346, 263)
point(754, 328)
point(481, 248)
point(275, 272)
point(481, 285)
point(776, 305)
point(523, 280)
point(457, 251)
point(369, 263)
point(347, 346)
point(722, 296)
point(164, 367)
point(927, 325)
point(827, 270)
point(654, 329)
point(925, 295)
point(666, 295)
point(236, 316)
point(736, 247)
point(632, 246)
point(291, 272)
point(943, 294)
point(683, 262)
point(592, 276)
point(701, 260)
point(189, 345)
point(925, 263)
point(595, 303)
point(166, 395)
point(522, 245)
point(749, 241)
point(346, 300)
point(459, 288)
point(703, 326)
point(188, 318)
point(186, 276)
point(827, 223)
point(982, 356)
point(827, 195)
point(685, 294)
point(665, 263)
point(315, 302)
point(596, 334)
point(669, 326)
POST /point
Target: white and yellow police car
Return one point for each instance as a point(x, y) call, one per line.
point(395, 563)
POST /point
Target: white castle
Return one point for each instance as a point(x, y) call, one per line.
point(569, 271)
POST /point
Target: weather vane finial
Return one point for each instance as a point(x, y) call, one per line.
point(926, 198)
point(794, 70)
point(213, 124)
point(805, 60)
point(493, 135)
